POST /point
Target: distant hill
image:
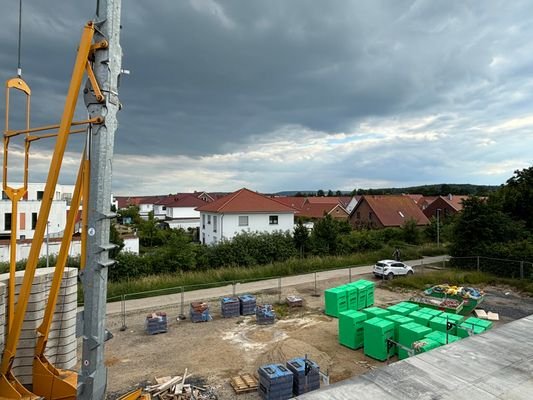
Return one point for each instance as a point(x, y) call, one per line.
point(426, 190)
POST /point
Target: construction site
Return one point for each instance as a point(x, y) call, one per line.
point(350, 337)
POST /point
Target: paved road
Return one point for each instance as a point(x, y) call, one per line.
point(157, 302)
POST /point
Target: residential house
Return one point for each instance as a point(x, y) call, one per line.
point(243, 211)
point(425, 201)
point(180, 210)
point(386, 211)
point(444, 206)
point(313, 209)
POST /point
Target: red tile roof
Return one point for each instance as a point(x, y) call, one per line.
point(318, 210)
point(245, 200)
point(415, 197)
point(126, 201)
point(394, 210)
point(182, 200)
point(291, 201)
point(455, 201)
point(324, 200)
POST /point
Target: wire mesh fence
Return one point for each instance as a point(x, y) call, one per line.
point(275, 289)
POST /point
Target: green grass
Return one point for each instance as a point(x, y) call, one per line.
point(193, 280)
point(458, 277)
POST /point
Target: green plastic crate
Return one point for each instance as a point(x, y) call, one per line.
point(398, 320)
point(369, 288)
point(464, 328)
point(335, 301)
point(376, 312)
point(410, 306)
point(480, 322)
point(420, 317)
point(351, 297)
point(351, 332)
point(376, 333)
point(442, 338)
point(441, 324)
point(430, 311)
point(408, 334)
point(426, 344)
point(398, 310)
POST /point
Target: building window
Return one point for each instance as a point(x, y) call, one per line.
point(40, 194)
point(243, 220)
point(203, 222)
point(7, 221)
point(4, 195)
point(273, 220)
point(33, 220)
point(370, 216)
point(214, 223)
point(164, 208)
point(209, 220)
point(358, 215)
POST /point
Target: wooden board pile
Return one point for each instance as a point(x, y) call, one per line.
point(294, 301)
point(244, 383)
point(176, 388)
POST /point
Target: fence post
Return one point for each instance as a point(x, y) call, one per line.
point(350, 269)
point(279, 290)
point(521, 269)
point(477, 263)
point(123, 311)
point(422, 265)
point(182, 301)
point(315, 294)
point(233, 284)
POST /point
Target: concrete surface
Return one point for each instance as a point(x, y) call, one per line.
point(497, 364)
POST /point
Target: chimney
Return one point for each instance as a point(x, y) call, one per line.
point(450, 196)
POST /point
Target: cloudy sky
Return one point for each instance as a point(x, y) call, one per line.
point(295, 95)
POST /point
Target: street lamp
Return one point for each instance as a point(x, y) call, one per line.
point(438, 227)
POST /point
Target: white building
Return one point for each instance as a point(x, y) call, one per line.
point(28, 211)
point(243, 211)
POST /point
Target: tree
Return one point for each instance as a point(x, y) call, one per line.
point(330, 193)
point(515, 198)
point(320, 193)
point(131, 212)
point(338, 193)
point(114, 238)
point(301, 238)
point(480, 226)
point(325, 236)
point(411, 233)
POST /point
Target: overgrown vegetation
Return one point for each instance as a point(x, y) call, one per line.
point(210, 277)
point(458, 277)
point(498, 227)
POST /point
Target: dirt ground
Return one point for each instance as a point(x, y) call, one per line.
point(217, 350)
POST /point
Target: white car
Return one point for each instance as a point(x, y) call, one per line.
point(390, 268)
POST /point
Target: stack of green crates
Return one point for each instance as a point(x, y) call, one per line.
point(352, 297)
point(440, 324)
point(479, 322)
point(336, 301)
point(427, 344)
point(408, 334)
point(442, 337)
point(421, 317)
point(465, 328)
point(398, 310)
point(430, 311)
point(410, 306)
point(351, 332)
point(376, 333)
point(376, 312)
point(368, 287)
point(398, 320)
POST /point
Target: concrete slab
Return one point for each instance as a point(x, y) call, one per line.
point(497, 364)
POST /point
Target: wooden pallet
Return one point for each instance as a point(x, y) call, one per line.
point(244, 383)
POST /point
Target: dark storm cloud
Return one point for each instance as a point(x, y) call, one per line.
point(211, 77)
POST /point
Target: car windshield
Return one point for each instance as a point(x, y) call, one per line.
point(380, 264)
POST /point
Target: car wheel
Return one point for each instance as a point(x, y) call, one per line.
point(390, 276)
point(409, 273)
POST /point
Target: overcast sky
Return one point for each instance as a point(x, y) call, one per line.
point(295, 94)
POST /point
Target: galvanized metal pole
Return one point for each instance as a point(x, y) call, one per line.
point(92, 380)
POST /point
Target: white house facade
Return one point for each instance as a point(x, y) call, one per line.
point(243, 211)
